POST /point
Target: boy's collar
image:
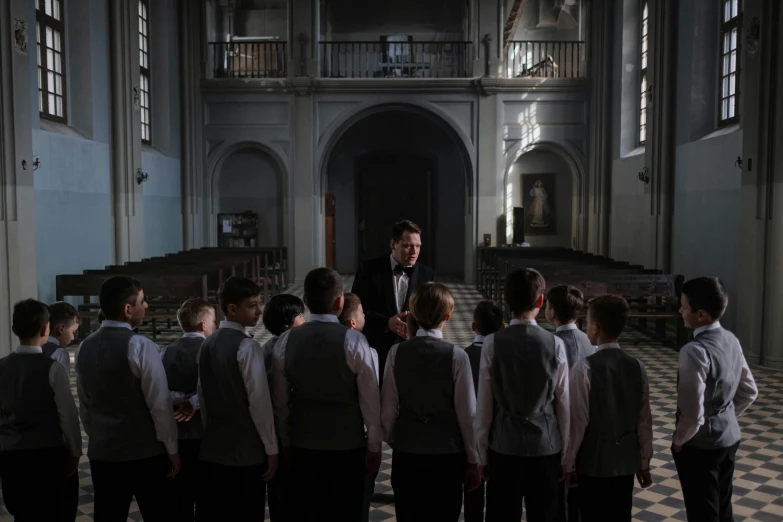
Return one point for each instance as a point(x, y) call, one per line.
point(567, 326)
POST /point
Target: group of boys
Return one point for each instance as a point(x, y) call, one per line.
point(215, 425)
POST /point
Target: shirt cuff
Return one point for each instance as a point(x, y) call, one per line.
point(172, 447)
point(271, 449)
point(194, 402)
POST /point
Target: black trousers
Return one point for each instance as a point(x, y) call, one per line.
point(474, 504)
point(28, 474)
point(427, 488)
point(278, 496)
point(328, 485)
point(570, 507)
point(369, 491)
point(116, 483)
point(606, 499)
point(706, 478)
point(232, 492)
point(536, 480)
point(185, 487)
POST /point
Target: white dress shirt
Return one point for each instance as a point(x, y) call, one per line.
point(60, 355)
point(693, 369)
point(250, 358)
point(478, 339)
point(464, 396)
point(360, 360)
point(486, 398)
point(63, 399)
point(401, 282)
point(179, 396)
point(146, 365)
point(580, 412)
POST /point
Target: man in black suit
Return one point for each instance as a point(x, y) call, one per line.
point(384, 285)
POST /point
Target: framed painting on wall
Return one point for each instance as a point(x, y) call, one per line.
point(538, 198)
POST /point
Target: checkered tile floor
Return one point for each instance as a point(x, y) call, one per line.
point(758, 484)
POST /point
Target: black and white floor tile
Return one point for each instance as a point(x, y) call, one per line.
point(758, 485)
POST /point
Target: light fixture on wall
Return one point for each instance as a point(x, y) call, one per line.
point(141, 176)
point(644, 176)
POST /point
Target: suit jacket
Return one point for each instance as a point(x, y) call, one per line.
point(374, 284)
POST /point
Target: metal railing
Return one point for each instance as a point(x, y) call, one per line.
point(535, 59)
point(395, 59)
point(248, 59)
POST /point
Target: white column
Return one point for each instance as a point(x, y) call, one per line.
point(304, 37)
point(17, 205)
point(490, 26)
point(125, 143)
point(490, 190)
point(306, 206)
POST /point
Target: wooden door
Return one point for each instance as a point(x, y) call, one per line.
point(330, 230)
point(390, 187)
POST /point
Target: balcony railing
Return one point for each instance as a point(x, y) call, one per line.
point(533, 59)
point(248, 59)
point(396, 59)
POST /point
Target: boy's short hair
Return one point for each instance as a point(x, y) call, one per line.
point(488, 317)
point(236, 289)
point(412, 324)
point(611, 312)
point(62, 313)
point(350, 307)
point(30, 316)
point(280, 312)
point(566, 301)
point(115, 293)
point(192, 313)
point(322, 287)
point(523, 286)
point(708, 294)
point(431, 303)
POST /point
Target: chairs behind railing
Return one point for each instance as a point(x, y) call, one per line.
point(396, 59)
point(534, 59)
point(248, 59)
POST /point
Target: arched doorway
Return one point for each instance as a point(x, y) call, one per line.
point(555, 176)
point(248, 177)
point(399, 163)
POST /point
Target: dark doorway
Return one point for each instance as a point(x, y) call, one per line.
point(392, 186)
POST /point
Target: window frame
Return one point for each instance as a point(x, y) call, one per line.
point(145, 76)
point(644, 38)
point(726, 28)
point(42, 21)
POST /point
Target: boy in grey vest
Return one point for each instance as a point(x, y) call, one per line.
point(563, 305)
point(126, 409)
point(427, 411)
point(611, 423)
point(283, 312)
point(325, 393)
point(39, 425)
point(196, 317)
point(714, 387)
point(487, 319)
point(239, 447)
point(523, 409)
point(63, 323)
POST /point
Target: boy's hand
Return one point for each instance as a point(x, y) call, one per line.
point(572, 480)
point(271, 468)
point(645, 478)
point(184, 412)
point(372, 463)
point(472, 477)
point(175, 464)
point(73, 466)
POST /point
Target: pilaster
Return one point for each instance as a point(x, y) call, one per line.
point(125, 129)
point(490, 171)
point(304, 36)
point(490, 36)
point(307, 207)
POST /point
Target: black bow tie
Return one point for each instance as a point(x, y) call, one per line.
point(399, 269)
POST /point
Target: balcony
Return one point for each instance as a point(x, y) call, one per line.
point(405, 59)
point(248, 59)
point(538, 59)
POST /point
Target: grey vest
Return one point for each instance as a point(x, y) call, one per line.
point(230, 436)
point(121, 429)
point(720, 428)
point(577, 345)
point(524, 370)
point(474, 355)
point(28, 413)
point(424, 375)
point(325, 412)
point(180, 361)
point(610, 447)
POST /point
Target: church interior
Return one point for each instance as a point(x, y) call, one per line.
point(627, 145)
